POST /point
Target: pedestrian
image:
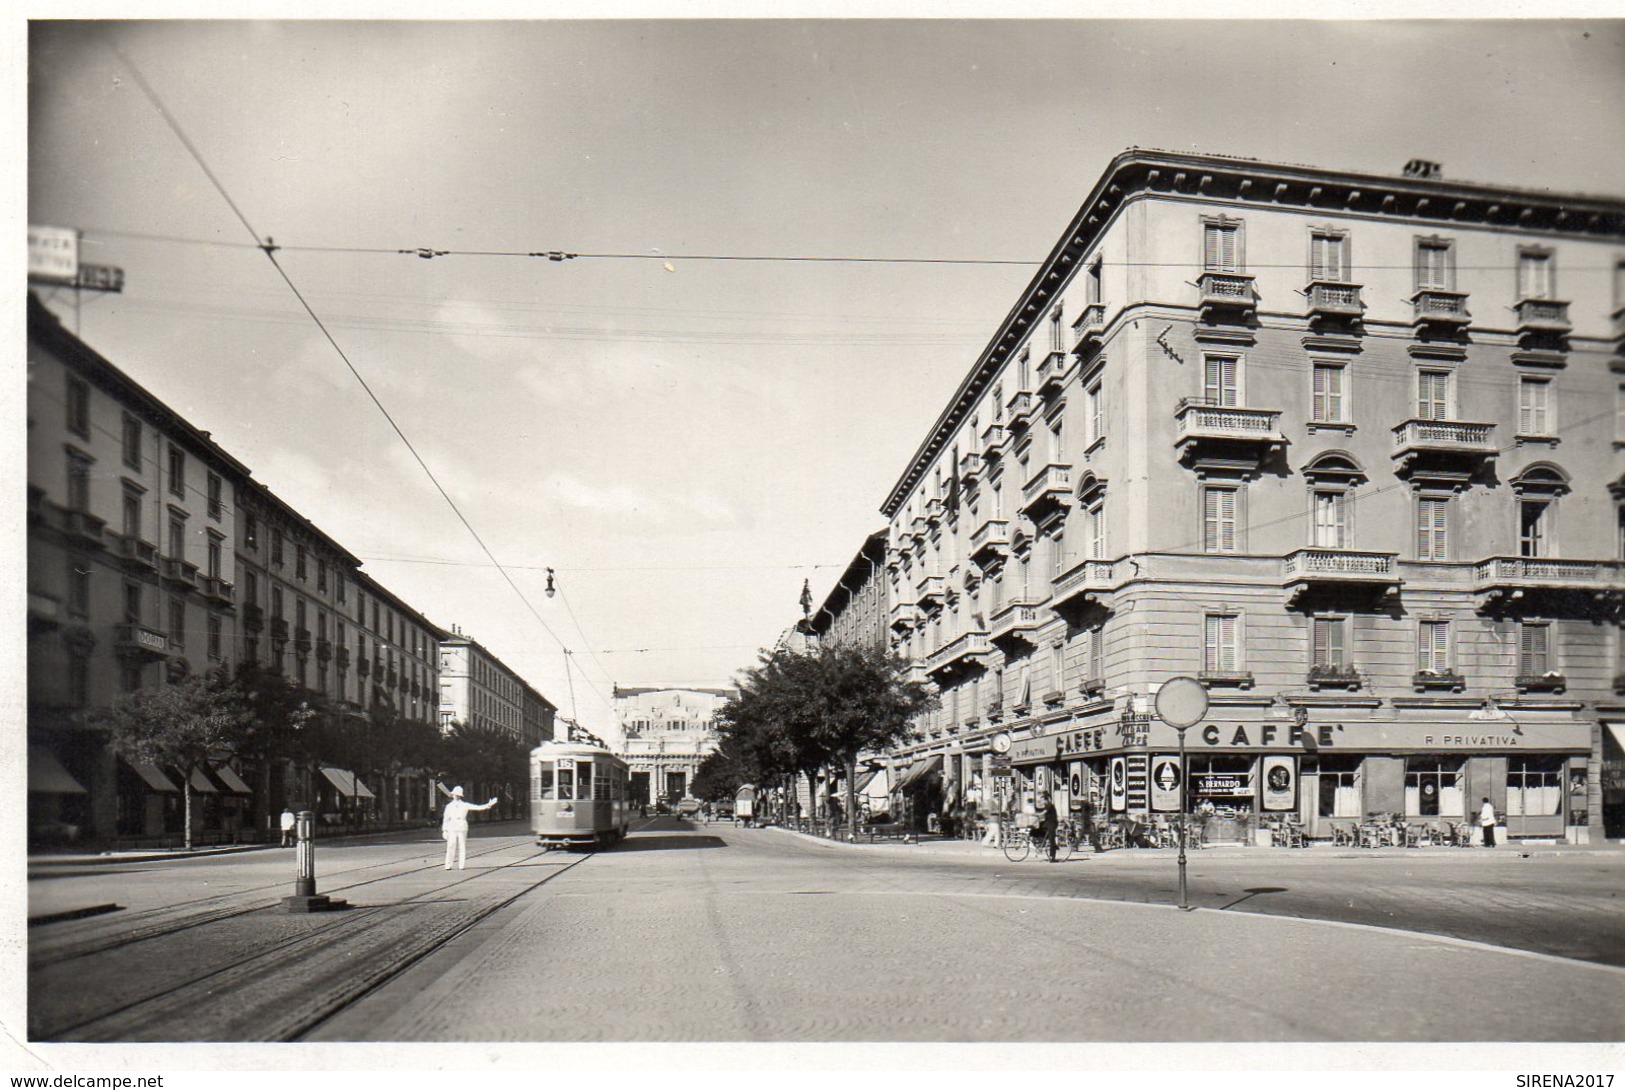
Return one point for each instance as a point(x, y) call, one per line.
point(287, 827)
point(1048, 821)
point(1092, 825)
point(454, 825)
point(1486, 821)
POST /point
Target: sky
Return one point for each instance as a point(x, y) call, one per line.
point(682, 440)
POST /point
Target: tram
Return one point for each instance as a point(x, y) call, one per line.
point(577, 796)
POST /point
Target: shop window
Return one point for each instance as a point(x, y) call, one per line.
point(1222, 781)
point(1534, 786)
point(1340, 787)
point(1434, 787)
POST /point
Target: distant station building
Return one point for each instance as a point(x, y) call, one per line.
point(1346, 447)
point(664, 734)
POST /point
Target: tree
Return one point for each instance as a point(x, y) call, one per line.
point(283, 721)
point(390, 744)
point(485, 756)
point(800, 711)
point(720, 775)
point(185, 724)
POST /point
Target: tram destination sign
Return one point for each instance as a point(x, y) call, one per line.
point(100, 278)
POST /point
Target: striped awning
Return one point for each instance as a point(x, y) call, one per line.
point(919, 770)
point(347, 783)
point(153, 775)
point(202, 784)
point(46, 776)
point(234, 783)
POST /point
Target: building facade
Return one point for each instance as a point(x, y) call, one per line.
point(665, 732)
point(854, 612)
point(478, 689)
point(131, 540)
point(1347, 448)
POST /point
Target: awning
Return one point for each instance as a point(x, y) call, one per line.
point(864, 781)
point(919, 771)
point(347, 784)
point(234, 783)
point(153, 775)
point(47, 776)
point(202, 784)
point(1617, 732)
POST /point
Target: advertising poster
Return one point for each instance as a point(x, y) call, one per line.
point(1280, 782)
point(1077, 790)
point(1165, 778)
point(1119, 784)
point(1138, 775)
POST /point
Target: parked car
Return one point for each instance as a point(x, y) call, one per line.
point(688, 807)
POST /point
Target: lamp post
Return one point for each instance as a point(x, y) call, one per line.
point(1181, 703)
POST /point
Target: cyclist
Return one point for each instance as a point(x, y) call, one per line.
point(1048, 820)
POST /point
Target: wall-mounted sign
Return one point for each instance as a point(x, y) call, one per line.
point(1280, 782)
point(101, 277)
point(1165, 779)
point(53, 254)
point(1119, 784)
point(1221, 783)
point(1074, 776)
point(1138, 775)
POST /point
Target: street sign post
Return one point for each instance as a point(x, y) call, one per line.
point(1182, 703)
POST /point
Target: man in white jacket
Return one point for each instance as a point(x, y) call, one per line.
point(454, 825)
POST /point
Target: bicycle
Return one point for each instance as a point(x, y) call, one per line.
point(1017, 843)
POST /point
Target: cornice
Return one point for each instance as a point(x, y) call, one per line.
point(1432, 203)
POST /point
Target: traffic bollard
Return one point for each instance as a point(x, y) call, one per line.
point(305, 897)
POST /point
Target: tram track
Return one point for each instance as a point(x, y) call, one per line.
point(255, 996)
point(165, 920)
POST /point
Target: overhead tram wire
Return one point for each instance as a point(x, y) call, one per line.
point(269, 249)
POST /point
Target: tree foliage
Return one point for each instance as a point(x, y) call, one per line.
point(488, 756)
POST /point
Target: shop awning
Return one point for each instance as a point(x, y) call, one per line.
point(347, 783)
point(864, 781)
point(234, 783)
point(1617, 732)
point(153, 775)
point(202, 784)
point(47, 776)
point(919, 771)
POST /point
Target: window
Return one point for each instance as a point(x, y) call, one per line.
point(321, 576)
point(132, 513)
point(1057, 337)
point(1433, 528)
point(1221, 246)
point(998, 402)
point(217, 506)
point(78, 587)
point(1328, 256)
point(1340, 786)
point(177, 622)
point(1057, 442)
point(215, 553)
point(1433, 395)
point(1095, 654)
point(1057, 666)
point(1331, 519)
point(1219, 519)
point(341, 588)
point(251, 532)
point(132, 441)
point(177, 536)
point(78, 679)
point(130, 678)
point(132, 603)
point(1433, 647)
point(299, 562)
point(1534, 658)
point(1092, 283)
point(1094, 413)
point(177, 470)
point(1433, 787)
point(78, 406)
point(1220, 380)
point(1534, 785)
point(214, 637)
point(276, 602)
point(1057, 556)
point(1094, 529)
point(1534, 411)
point(1535, 279)
point(1329, 640)
point(1024, 371)
point(276, 548)
point(251, 589)
point(78, 481)
point(1435, 264)
point(1326, 397)
point(1221, 652)
point(1535, 527)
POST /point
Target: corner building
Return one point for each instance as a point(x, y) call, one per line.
point(1344, 447)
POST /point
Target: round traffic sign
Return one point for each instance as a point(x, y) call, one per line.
point(1181, 702)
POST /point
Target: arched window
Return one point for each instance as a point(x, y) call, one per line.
point(1332, 478)
point(1538, 489)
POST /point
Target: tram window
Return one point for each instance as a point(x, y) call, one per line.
point(584, 779)
point(601, 789)
point(544, 782)
point(567, 774)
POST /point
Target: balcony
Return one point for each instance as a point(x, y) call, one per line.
point(179, 571)
point(219, 591)
point(1334, 569)
point(1226, 679)
point(1224, 294)
point(1438, 680)
point(1207, 430)
point(929, 591)
point(136, 555)
point(964, 652)
point(324, 650)
point(1543, 316)
point(1089, 330)
point(1093, 687)
point(995, 711)
point(1052, 370)
point(140, 642)
point(343, 657)
point(904, 616)
point(44, 612)
point(390, 680)
point(1323, 675)
point(933, 512)
point(1021, 408)
point(1016, 619)
point(970, 469)
point(994, 437)
point(1501, 580)
point(84, 528)
point(1549, 682)
point(253, 618)
point(1087, 583)
point(301, 642)
point(1458, 446)
point(1332, 301)
point(363, 666)
point(1442, 312)
point(1049, 490)
point(990, 543)
point(279, 628)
